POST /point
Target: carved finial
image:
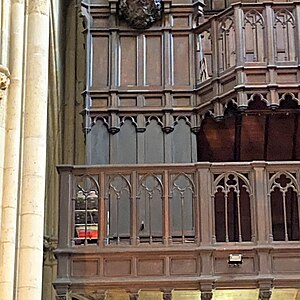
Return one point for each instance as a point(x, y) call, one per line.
point(140, 14)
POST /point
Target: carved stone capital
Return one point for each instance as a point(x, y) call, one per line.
point(140, 14)
point(206, 295)
point(4, 81)
point(167, 295)
point(49, 245)
point(61, 295)
point(134, 296)
point(265, 294)
point(62, 292)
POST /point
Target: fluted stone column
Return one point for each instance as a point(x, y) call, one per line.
point(34, 152)
point(12, 153)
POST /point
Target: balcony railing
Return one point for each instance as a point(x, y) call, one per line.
point(191, 204)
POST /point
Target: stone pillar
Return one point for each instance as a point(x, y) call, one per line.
point(12, 153)
point(34, 153)
point(4, 31)
point(4, 82)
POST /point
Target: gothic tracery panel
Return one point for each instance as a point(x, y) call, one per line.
point(118, 207)
point(232, 208)
point(182, 204)
point(86, 210)
point(150, 208)
point(205, 58)
point(227, 47)
point(284, 32)
point(284, 201)
point(253, 30)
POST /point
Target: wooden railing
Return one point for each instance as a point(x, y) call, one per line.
point(191, 204)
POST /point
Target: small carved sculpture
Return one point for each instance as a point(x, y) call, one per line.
point(265, 294)
point(49, 246)
point(134, 296)
point(206, 295)
point(140, 14)
point(4, 81)
point(167, 295)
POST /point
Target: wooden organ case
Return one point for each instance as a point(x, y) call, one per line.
point(170, 190)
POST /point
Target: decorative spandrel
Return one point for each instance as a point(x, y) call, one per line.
point(140, 14)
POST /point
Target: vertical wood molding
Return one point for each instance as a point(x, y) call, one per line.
point(262, 205)
point(205, 205)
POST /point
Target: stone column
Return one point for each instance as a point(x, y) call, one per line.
point(12, 153)
point(4, 31)
point(34, 153)
point(4, 82)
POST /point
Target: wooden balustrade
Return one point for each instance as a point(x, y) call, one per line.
point(179, 204)
point(174, 226)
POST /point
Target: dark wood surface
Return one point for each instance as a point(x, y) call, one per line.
point(183, 260)
point(148, 94)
